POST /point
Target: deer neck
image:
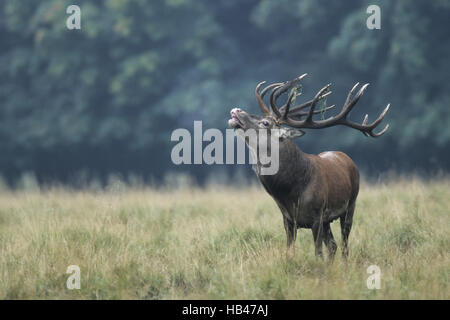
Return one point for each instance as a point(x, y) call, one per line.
point(294, 170)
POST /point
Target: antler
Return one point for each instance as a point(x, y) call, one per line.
point(285, 114)
point(341, 118)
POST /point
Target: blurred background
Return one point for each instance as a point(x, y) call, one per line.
point(83, 105)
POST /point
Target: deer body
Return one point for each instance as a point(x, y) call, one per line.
point(310, 190)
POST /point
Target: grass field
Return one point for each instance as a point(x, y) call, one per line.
point(218, 244)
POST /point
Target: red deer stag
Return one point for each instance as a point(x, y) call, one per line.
point(310, 190)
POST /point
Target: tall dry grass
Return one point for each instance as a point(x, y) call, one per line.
point(221, 243)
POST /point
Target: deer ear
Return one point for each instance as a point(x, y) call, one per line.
point(291, 133)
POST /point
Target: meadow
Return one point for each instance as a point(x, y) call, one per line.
point(218, 243)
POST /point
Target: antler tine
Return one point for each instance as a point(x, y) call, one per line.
point(289, 84)
point(350, 93)
point(376, 135)
point(348, 106)
point(271, 86)
point(376, 122)
point(380, 118)
point(314, 101)
point(288, 104)
point(272, 101)
point(260, 96)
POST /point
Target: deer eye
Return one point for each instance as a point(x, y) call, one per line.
point(265, 123)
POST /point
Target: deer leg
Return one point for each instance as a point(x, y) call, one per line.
point(291, 235)
point(329, 241)
point(317, 231)
point(346, 226)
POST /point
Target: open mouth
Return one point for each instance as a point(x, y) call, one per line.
point(234, 122)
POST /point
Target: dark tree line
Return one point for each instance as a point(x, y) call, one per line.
point(106, 98)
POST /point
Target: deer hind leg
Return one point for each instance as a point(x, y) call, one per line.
point(329, 241)
point(317, 231)
point(291, 235)
point(346, 226)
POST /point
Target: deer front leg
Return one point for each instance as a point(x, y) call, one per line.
point(317, 231)
point(329, 241)
point(291, 235)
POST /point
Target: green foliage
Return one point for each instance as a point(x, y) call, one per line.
point(137, 70)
